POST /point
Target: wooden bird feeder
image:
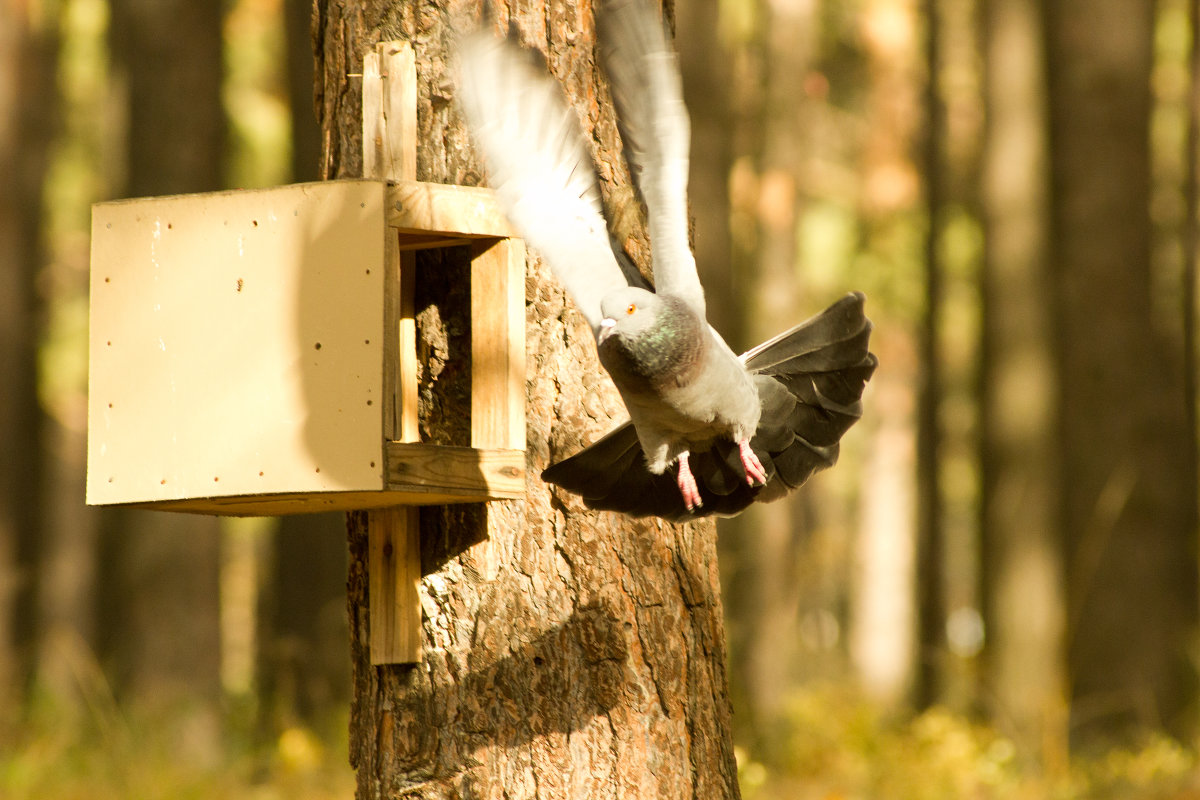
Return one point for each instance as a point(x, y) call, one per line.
point(254, 352)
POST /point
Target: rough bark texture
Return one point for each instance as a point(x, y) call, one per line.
point(566, 653)
point(1129, 485)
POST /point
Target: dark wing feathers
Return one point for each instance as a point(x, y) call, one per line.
point(810, 383)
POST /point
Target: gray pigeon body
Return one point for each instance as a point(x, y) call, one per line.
point(709, 432)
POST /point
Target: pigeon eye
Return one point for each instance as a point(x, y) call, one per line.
point(632, 308)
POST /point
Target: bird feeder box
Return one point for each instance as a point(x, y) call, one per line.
point(255, 352)
point(252, 352)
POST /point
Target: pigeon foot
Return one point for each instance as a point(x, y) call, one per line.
point(755, 474)
point(687, 484)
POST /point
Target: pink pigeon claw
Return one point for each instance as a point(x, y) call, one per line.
point(755, 474)
point(687, 484)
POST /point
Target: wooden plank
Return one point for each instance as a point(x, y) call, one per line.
point(416, 241)
point(498, 344)
point(420, 208)
point(395, 571)
point(373, 134)
point(465, 472)
point(394, 557)
point(407, 429)
point(392, 304)
point(235, 344)
point(398, 63)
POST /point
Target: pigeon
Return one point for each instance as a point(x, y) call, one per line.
point(709, 432)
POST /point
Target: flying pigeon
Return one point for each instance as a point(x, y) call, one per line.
point(710, 432)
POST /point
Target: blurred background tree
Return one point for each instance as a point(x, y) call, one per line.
point(997, 584)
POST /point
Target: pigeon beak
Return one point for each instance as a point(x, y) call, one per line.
point(607, 326)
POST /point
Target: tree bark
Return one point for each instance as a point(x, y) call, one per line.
point(1129, 486)
point(566, 653)
point(1021, 564)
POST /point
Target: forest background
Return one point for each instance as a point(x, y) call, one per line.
point(993, 595)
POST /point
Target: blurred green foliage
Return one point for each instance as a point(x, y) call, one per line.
point(115, 754)
point(840, 746)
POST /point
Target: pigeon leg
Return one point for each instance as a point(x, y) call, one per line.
point(755, 474)
point(687, 484)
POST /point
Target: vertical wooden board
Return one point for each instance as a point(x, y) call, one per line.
point(236, 344)
point(498, 344)
point(398, 62)
point(374, 136)
point(407, 427)
point(394, 570)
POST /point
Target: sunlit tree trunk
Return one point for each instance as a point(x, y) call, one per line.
point(566, 654)
point(1129, 486)
point(1021, 563)
point(160, 571)
point(28, 49)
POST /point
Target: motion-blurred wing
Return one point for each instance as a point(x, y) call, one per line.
point(647, 92)
point(538, 165)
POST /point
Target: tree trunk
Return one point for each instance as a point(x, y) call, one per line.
point(931, 540)
point(1129, 487)
point(1021, 569)
point(28, 51)
point(566, 653)
point(160, 571)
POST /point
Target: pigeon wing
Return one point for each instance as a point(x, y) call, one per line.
point(647, 93)
point(538, 165)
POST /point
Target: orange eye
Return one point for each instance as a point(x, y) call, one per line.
point(632, 308)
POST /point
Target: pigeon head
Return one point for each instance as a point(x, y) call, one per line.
point(648, 336)
point(628, 313)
